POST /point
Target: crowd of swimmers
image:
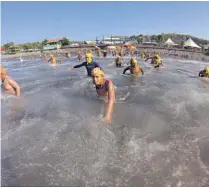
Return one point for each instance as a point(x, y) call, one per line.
point(104, 87)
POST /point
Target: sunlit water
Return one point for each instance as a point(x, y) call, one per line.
point(55, 134)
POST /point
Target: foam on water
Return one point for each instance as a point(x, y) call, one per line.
point(55, 133)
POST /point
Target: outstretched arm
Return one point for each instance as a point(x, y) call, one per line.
point(124, 71)
point(111, 101)
point(148, 58)
point(77, 66)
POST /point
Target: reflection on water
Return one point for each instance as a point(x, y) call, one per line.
point(55, 134)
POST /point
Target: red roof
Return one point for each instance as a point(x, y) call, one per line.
point(2, 49)
point(53, 41)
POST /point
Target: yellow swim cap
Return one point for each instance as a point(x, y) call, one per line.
point(157, 56)
point(207, 69)
point(97, 71)
point(133, 60)
point(89, 55)
point(51, 55)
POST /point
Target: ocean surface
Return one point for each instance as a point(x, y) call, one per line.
point(54, 134)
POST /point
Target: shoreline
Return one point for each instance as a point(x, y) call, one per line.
point(164, 53)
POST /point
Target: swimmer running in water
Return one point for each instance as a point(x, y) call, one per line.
point(155, 60)
point(104, 88)
point(53, 60)
point(118, 61)
point(89, 64)
point(134, 67)
point(10, 85)
point(79, 56)
point(143, 56)
point(205, 72)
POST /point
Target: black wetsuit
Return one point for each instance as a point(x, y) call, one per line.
point(131, 68)
point(202, 74)
point(89, 67)
point(128, 68)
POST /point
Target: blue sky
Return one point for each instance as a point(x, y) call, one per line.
point(34, 21)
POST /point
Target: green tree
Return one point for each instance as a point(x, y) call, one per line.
point(65, 41)
point(44, 42)
point(139, 40)
point(25, 46)
point(36, 45)
point(8, 45)
point(154, 37)
point(159, 38)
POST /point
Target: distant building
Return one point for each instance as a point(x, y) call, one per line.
point(112, 40)
point(89, 42)
point(53, 44)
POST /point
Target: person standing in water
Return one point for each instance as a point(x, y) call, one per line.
point(205, 72)
point(118, 61)
point(143, 56)
point(67, 54)
point(134, 67)
point(79, 56)
point(104, 88)
point(10, 85)
point(89, 64)
point(53, 60)
point(21, 60)
point(155, 60)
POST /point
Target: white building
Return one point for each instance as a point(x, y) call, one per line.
point(112, 40)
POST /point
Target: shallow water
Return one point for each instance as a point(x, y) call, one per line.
point(55, 134)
